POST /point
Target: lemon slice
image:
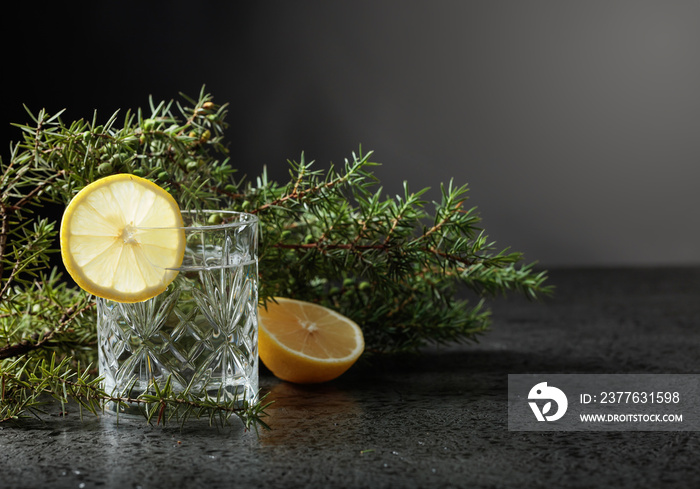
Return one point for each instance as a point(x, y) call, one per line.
point(306, 343)
point(122, 238)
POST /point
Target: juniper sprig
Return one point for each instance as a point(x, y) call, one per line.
point(408, 271)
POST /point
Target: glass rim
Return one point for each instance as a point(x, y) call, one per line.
point(249, 219)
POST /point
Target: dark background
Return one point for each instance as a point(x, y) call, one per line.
point(576, 124)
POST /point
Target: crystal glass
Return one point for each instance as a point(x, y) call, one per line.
point(202, 332)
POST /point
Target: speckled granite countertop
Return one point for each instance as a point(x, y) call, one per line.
point(438, 420)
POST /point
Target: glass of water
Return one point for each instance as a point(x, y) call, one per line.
point(201, 334)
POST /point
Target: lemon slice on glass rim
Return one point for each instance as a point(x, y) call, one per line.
point(122, 238)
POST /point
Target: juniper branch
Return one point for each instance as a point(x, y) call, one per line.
point(410, 272)
point(25, 384)
point(41, 340)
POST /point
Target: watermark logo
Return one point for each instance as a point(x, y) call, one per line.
point(542, 391)
point(603, 402)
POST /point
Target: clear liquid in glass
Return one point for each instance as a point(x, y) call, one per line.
point(200, 334)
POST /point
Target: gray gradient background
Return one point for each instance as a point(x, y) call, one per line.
point(576, 124)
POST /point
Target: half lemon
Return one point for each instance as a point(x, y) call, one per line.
point(306, 343)
point(122, 238)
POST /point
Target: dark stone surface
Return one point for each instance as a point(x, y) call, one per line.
point(437, 420)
